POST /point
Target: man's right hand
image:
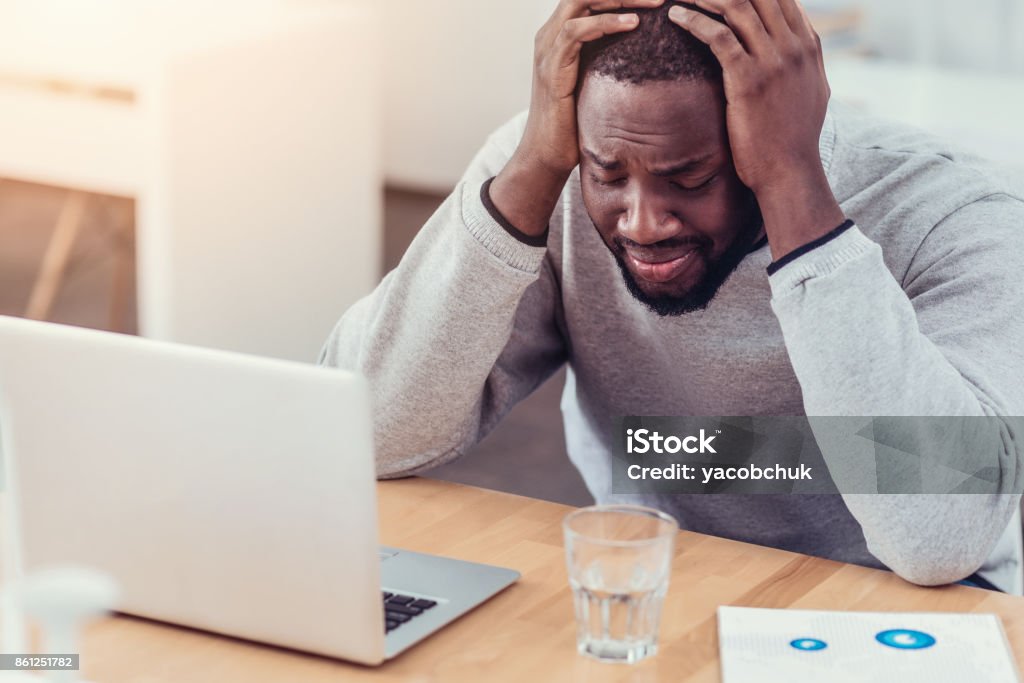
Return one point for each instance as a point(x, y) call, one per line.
point(527, 189)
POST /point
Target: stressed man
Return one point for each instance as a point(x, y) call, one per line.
point(685, 220)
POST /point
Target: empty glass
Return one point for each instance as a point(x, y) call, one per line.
point(619, 559)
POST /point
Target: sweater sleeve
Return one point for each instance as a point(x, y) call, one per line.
point(459, 332)
point(945, 342)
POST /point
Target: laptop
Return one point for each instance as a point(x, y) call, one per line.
point(224, 492)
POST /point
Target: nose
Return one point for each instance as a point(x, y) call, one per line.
point(647, 219)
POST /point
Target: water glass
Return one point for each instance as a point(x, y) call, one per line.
point(619, 559)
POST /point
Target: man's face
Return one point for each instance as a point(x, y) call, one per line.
point(659, 185)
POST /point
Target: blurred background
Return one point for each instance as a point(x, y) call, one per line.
point(236, 173)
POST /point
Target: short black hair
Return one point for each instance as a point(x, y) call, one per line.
point(656, 50)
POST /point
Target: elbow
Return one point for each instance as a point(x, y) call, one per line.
point(408, 443)
point(932, 541)
point(400, 464)
point(386, 472)
point(938, 573)
point(930, 565)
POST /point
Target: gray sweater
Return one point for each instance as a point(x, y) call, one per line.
point(915, 311)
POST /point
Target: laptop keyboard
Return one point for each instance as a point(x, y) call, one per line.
point(399, 609)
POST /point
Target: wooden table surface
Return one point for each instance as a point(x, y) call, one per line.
point(527, 632)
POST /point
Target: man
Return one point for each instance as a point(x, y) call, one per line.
point(625, 227)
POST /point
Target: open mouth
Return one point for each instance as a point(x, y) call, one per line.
point(662, 271)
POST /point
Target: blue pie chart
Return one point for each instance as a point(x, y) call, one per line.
point(808, 644)
point(905, 639)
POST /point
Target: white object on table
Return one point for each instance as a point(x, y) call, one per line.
point(793, 646)
point(62, 600)
point(12, 627)
point(246, 130)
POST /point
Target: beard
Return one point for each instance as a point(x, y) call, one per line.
point(717, 272)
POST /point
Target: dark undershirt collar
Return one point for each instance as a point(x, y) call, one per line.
point(759, 244)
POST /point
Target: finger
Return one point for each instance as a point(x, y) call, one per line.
point(570, 9)
point(581, 30)
point(719, 37)
point(796, 17)
point(608, 5)
point(768, 11)
point(807, 35)
point(743, 19)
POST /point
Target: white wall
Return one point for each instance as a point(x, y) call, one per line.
point(982, 34)
point(454, 71)
point(249, 136)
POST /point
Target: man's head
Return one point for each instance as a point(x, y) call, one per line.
point(655, 164)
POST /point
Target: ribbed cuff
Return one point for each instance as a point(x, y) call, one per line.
point(809, 247)
point(846, 246)
point(532, 240)
point(495, 237)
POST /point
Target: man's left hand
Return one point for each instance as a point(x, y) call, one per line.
point(776, 98)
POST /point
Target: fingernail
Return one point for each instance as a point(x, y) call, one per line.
point(679, 13)
point(628, 18)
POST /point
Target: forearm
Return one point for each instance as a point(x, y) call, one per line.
point(853, 338)
point(855, 344)
point(428, 338)
point(798, 209)
point(526, 191)
point(932, 540)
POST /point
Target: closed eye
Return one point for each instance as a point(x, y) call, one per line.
point(614, 182)
point(695, 188)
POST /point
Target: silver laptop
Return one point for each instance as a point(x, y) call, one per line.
point(224, 492)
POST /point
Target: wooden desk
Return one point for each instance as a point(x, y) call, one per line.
point(527, 632)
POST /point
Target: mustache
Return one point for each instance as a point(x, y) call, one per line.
point(672, 243)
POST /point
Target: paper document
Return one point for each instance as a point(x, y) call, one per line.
point(793, 646)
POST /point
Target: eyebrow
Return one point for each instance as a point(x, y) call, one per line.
point(606, 165)
point(675, 169)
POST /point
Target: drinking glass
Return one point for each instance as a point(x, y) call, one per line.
point(619, 559)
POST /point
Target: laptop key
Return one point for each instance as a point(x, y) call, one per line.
point(403, 609)
point(398, 608)
point(401, 599)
